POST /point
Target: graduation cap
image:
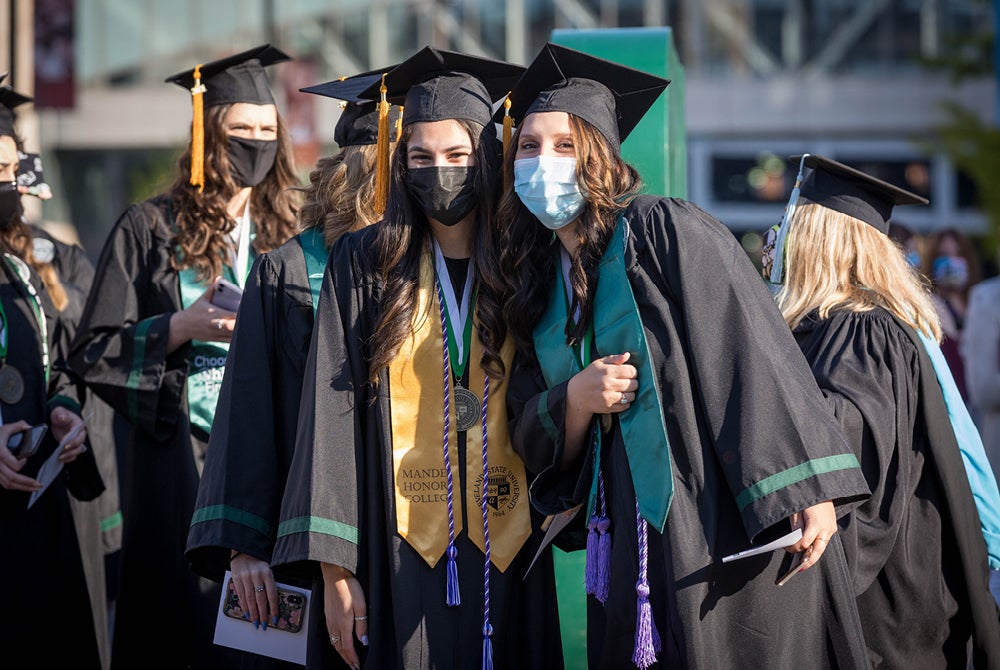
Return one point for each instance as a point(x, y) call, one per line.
point(849, 191)
point(9, 99)
point(610, 96)
point(236, 78)
point(358, 123)
point(435, 85)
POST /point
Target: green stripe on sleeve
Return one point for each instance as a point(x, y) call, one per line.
point(234, 514)
point(111, 522)
point(315, 524)
point(793, 475)
point(138, 358)
point(543, 415)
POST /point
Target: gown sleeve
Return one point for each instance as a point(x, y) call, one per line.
point(869, 372)
point(120, 349)
point(320, 517)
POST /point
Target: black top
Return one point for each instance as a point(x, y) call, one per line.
point(236, 78)
point(611, 97)
point(843, 189)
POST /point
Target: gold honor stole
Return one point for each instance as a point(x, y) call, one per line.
point(416, 396)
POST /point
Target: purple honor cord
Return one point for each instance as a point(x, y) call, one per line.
point(453, 597)
point(647, 638)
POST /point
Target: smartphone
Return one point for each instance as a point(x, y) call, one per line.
point(227, 295)
point(291, 608)
point(797, 560)
point(25, 443)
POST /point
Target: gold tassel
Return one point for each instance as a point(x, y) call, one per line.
point(399, 124)
point(382, 154)
point(508, 124)
point(198, 132)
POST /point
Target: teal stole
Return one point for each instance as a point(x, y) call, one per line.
point(315, 253)
point(617, 329)
point(206, 360)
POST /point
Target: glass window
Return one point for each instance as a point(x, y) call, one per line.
point(763, 178)
point(966, 193)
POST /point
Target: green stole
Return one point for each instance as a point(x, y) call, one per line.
point(617, 329)
point(206, 360)
point(315, 253)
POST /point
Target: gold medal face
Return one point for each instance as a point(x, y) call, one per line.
point(11, 384)
point(468, 409)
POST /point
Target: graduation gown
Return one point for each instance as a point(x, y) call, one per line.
point(917, 555)
point(120, 351)
point(740, 407)
point(341, 478)
point(40, 557)
point(98, 522)
point(253, 435)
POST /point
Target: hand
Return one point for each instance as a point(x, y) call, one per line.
point(602, 386)
point(63, 422)
point(9, 466)
point(260, 604)
point(818, 524)
point(346, 612)
point(201, 321)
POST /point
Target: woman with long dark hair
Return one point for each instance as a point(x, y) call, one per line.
point(403, 486)
point(657, 390)
point(153, 345)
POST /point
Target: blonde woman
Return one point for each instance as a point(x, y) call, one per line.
point(864, 319)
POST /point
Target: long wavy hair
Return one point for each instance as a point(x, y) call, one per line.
point(340, 197)
point(837, 262)
point(16, 239)
point(529, 257)
point(201, 239)
point(404, 235)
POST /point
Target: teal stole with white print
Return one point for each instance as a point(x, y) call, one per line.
point(617, 328)
point(206, 360)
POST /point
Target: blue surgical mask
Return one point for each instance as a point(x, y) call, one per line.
point(548, 188)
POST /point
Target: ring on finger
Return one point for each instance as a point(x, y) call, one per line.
point(822, 539)
point(361, 618)
point(335, 639)
point(259, 588)
point(624, 399)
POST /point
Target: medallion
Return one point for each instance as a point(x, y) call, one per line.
point(468, 410)
point(12, 384)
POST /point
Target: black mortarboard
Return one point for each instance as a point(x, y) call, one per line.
point(610, 96)
point(9, 99)
point(358, 122)
point(849, 191)
point(236, 78)
point(434, 84)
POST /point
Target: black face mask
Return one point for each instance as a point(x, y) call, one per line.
point(251, 160)
point(10, 205)
point(445, 194)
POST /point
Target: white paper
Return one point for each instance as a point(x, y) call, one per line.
point(780, 543)
point(47, 474)
point(273, 642)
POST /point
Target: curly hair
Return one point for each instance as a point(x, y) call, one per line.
point(203, 224)
point(528, 256)
point(838, 262)
point(404, 235)
point(340, 197)
point(15, 239)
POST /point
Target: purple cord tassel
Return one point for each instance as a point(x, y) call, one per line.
point(603, 559)
point(487, 647)
point(590, 572)
point(454, 597)
point(647, 638)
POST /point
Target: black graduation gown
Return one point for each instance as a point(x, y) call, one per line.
point(98, 522)
point(916, 551)
point(342, 475)
point(120, 351)
point(253, 434)
point(739, 406)
point(40, 559)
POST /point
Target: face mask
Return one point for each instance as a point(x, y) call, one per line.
point(251, 160)
point(10, 205)
point(547, 186)
point(445, 194)
point(950, 272)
